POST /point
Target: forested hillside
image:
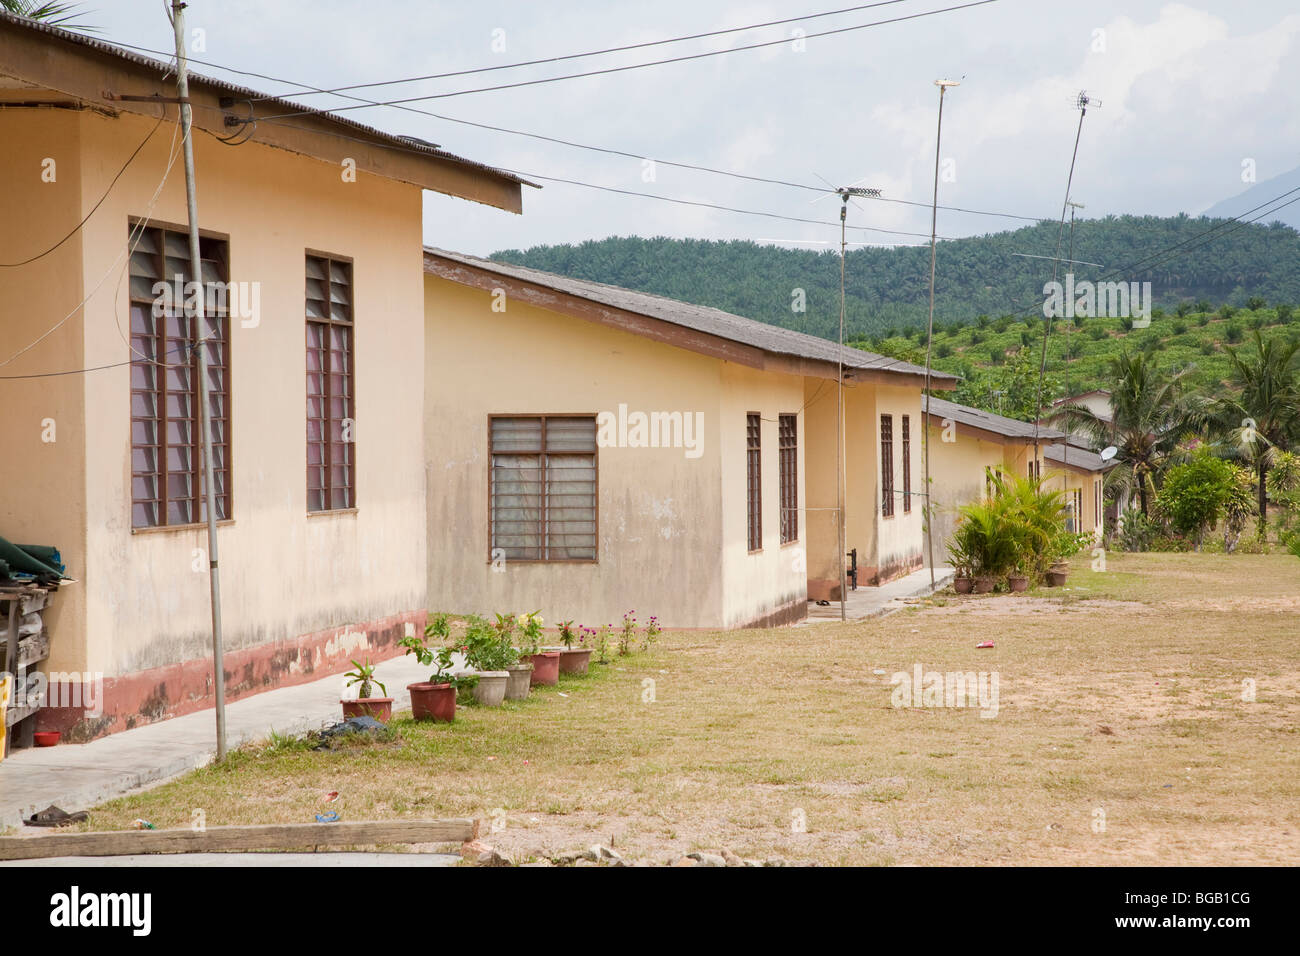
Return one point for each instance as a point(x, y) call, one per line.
point(991, 275)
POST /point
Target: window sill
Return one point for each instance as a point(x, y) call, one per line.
point(509, 561)
point(195, 526)
point(333, 511)
point(790, 544)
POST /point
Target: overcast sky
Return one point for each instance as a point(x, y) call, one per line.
point(1189, 91)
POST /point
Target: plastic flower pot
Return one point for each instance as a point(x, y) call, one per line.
point(962, 585)
point(575, 660)
point(1018, 582)
point(46, 738)
point(433, 701)
point(490, 690)
point(546, 667)
point(380, 708)
point(519, 682)
point(984, 583)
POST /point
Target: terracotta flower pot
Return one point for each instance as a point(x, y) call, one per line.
point(490, 690)
point(575, 660)
point(984, 583)
point(546, 667)
point(1018, 582)
point(962, 585)
point(433, 701)
point(519, 682)
point(380, 708)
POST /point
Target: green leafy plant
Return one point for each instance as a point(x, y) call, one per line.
point(438, 658)
point(567, 634)
point(364, 674)
point(1195, 494)
point(602, 644)
point(530, 633)
point(650, 633)
point(487, 647)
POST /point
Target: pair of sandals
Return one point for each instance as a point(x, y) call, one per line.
point(53, 816)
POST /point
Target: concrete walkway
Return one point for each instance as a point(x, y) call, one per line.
point(247, 859)
point(79, 776)
point(873, 602)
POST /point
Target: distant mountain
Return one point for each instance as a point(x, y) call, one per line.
point(887, 289)
point(1261, 193)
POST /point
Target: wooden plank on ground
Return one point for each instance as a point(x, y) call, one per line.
point(275, 836)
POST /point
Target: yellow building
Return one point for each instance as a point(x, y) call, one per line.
point(311, 244)
point(969, 445)
point(593, 450)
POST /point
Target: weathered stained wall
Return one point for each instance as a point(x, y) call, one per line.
point(660, 527)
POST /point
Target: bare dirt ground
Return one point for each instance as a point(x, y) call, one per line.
point(1146, 715)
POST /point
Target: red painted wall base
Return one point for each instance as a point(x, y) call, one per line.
point(159, 693)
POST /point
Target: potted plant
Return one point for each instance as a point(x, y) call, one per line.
point(364, 704)
point(435, 699)
point(489, 652)
point(546, 663)
point(1018, 580)
point(573, 660)
point(520, 671)
point(959, 555)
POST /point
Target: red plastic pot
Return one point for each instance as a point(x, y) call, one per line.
point(46, 738)
point(380, 708)
point(433, 701)
point(546, 667)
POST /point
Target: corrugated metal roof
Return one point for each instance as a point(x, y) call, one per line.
point(978, 418)
point(699, 318)
point(1078, 458)
point(404, 143)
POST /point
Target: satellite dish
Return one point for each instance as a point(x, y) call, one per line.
point(1109, 452)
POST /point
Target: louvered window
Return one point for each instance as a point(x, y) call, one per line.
point(754, 480)
point(331, 456)
point(907, 464)
point(789, 473)
point(542, 487)
point(167, 484)
point(887, 465)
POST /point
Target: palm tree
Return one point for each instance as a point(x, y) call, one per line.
point(1263, 419)
point(56, 14)
point(1151, 411)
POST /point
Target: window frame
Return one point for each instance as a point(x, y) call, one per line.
point(160, 391)
point(326, 397)
point(906, 441)
point(887, 466)
point(788, 475)
point(753, 482)
point(595, 491)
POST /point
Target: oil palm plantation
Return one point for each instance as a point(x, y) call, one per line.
point(1262, 417)
point(1151, 411)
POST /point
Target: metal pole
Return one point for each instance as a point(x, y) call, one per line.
point(839, 418)
point(205, 406)
point(929, 340)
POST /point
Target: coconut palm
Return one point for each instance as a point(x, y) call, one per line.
point(1151, 411)
point(1262, 419)
point(56, 14)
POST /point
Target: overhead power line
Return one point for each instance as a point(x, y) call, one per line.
point(639, 66)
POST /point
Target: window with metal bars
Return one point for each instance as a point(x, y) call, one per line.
point(788, 427)
point(754, 480)
point(331, 451)
point(907, 464)
point(542, 487)
point(887, 465)
point(167, 481)
point(1034, 468)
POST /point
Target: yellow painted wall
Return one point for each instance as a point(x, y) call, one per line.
point(42, 482)
point(772, 581)
point(660, 540)
point(900, 541)
point(283, 573)
point(957, 468)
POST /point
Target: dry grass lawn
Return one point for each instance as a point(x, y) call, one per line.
point(1121, 696)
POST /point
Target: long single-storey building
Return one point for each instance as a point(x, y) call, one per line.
point(593, 450)
point(311, 237)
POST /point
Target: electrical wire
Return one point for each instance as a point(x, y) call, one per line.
point(94, 208)
point(637, 66)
